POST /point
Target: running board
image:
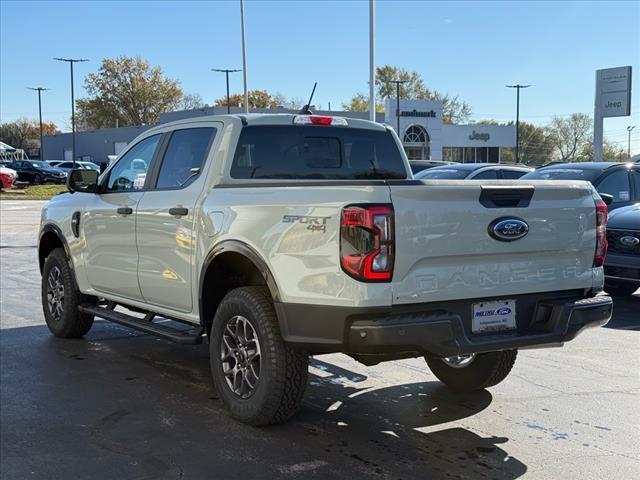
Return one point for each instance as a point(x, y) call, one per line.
point(144, 325)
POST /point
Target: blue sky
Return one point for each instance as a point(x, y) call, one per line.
point(471, 49)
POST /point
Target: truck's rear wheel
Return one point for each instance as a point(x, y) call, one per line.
point(473, 372)
point(260, 379)
point(60, 298)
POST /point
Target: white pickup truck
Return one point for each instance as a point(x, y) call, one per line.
point(280, 236)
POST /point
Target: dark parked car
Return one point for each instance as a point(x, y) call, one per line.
point(622, 265)
point(474, 171)
point(420, 165)
point(620, 180)
point(37, 172)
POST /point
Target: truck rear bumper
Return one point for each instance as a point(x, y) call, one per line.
point(440, 329)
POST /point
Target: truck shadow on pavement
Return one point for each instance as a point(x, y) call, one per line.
point(119, 404)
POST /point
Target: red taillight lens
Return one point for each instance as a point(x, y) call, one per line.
point(367, 242)
point(601, 233)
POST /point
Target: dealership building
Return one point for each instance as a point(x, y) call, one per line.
point(422, 130)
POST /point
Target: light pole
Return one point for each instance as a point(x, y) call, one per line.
point(71, 61)
point(398, 83)
point(629, 129)
point(517, 87)
point(40, 90)
point(244, 59)
point(372, 61)
point(226, 72)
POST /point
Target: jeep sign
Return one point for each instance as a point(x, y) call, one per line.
point(613, 92)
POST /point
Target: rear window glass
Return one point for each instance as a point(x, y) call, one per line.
point(444, 173)
point(563, 174)
point(314, 152)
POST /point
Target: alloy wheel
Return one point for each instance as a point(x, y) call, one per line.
point(240, 356)
point(459, 361)
point(55, 293)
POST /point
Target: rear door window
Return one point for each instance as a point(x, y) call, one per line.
point(312, 152)
point(512, 174)
point(617, 185)
point(184, 157)
point(486, 175)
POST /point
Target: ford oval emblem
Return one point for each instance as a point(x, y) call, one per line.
point(629, 241)
point(508, 229)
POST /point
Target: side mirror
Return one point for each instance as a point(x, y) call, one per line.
point(81, 180)
point(606, 198)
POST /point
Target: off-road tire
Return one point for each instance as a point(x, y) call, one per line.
point(620, 289)
point(70, 323)
point(486, 370)
point(283, 369)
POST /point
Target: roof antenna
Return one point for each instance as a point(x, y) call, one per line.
point(307, 108)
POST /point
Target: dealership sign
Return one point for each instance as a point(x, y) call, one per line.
point(613, 92)
point(613, 99)
point(415, 113)
point(479, 136)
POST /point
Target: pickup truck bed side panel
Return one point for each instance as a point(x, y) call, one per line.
point(297, 231)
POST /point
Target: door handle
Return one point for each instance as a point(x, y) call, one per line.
point(178, 211)
point(125, 211)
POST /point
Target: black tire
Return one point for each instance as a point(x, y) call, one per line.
point(282, 378)
point(64, 320)
point(620, 289)
point(484, 371)
point(37, 180)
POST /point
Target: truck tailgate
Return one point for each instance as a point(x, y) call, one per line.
point(444, 250)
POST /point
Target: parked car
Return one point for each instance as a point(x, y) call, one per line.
point(622, 266)
point(280, 236)
point(474, 171)
point(67, 166)
point(420, 165)
point(6, 179)
point(37, 172)
point(620, 180)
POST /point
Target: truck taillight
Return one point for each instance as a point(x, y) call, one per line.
point(367, 242)
point(601, 233)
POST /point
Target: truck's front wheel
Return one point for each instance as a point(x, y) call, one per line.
point(473, 372)
point(60, 298)
point(260, 379)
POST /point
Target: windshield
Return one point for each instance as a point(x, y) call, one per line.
point(39, 164)
point(312, 152)
point(444, 173)
point(587, 174)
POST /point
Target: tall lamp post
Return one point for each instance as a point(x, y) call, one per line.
point(517, 87)
point(71, 61)
point(629, 130)
point(398, 83)
point(226, 72)
point(40, 90)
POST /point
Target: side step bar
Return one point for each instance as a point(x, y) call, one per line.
point(144, 325)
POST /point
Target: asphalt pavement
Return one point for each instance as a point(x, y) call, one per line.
point(119, 404)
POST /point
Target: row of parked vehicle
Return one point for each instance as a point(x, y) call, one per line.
point(619, 183)
point(36, 172)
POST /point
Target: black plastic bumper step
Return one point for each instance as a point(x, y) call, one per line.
point(146, 326)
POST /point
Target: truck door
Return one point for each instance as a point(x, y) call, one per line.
point(111, 255)
point(165, 228)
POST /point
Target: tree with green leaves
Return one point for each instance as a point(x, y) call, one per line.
point(360, 103)
point(127, 91)
point(259, 99)
point(454, 109)
point(571, 135)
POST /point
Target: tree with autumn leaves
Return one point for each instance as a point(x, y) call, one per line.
point(24, 133)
